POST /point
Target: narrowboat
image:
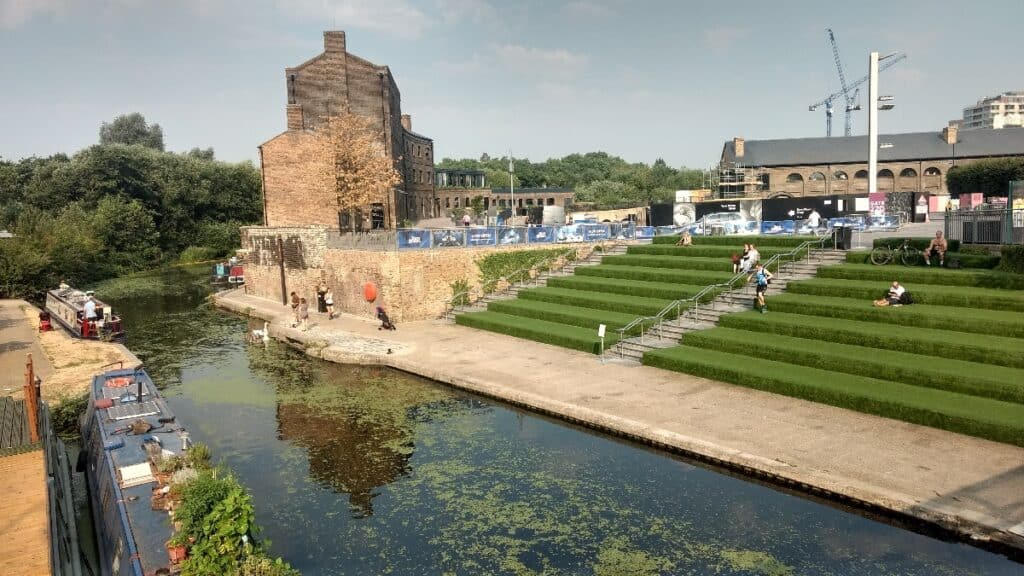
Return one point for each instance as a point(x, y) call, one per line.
point(67, 306)
point(228, 273)
point(127, 430)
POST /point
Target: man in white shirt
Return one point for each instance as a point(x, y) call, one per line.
point(813, 219)
point(90, 309)
point(892, 298)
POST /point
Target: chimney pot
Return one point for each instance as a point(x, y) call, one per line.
point(407, 122)
point(949, 134)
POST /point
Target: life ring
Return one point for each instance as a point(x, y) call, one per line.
point(370, 291)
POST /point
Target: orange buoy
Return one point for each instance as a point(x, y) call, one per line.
point(370, 291)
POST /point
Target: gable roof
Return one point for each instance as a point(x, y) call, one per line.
point(854, 149)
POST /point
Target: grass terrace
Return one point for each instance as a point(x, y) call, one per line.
point(953, 360)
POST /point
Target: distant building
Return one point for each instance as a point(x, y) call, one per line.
point(913, 162)
point(1003, 111)
point(456, 188)
point(331, 84)
point(6, 234)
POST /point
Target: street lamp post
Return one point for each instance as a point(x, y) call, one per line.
point(873, 123)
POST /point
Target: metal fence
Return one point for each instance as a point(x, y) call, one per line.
point(65, 556)
point(993, 226)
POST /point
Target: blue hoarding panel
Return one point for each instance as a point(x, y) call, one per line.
point(413, 239)
point(448, 238)
point(644, 232)
point(541, 234)
point(481, 236)
point(778, 227)
point(595, 232)
point(569, 233)
point(509, 236)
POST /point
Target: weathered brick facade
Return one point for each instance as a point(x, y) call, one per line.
point(330, 84)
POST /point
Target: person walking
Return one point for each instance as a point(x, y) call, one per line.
point(295, 309)
point(762, 278)
point(329, 301)
point(304, 314)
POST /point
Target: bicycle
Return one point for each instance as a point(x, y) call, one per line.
point(909, 255)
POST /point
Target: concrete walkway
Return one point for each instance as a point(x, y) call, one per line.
point(18, 338)
point(968, 485)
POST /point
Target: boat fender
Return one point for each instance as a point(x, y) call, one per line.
point(113, 444)
point(104, 402)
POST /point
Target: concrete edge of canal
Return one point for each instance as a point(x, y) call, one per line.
point(981, 529)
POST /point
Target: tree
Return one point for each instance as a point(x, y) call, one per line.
point(990, 177)
point(201, 153)
point(132, 129)
point(351, 163)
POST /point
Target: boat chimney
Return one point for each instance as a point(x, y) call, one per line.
point(138, 382)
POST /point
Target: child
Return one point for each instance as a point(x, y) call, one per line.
point(762, 276)
point(304, 314)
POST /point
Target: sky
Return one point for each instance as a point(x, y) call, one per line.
point(639, 79)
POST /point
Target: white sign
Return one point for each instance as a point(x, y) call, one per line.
point(600, 331)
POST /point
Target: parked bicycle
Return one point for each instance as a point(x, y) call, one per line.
point(907, 254)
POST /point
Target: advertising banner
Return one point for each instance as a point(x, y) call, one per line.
point(644, 232)
point(481, 236)
point(448, 238)
point(509, 236)
point(888, 223)
point(778, 227)
point(541, 234)
point(595, 232)
point(876, 203)
point(569, 233)
point(408, 239)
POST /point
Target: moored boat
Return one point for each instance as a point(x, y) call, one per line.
point(68, 307)
point(127, 431)
point(230, 273)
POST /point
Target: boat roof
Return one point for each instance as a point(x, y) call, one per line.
point(74, 296)
point(150, 529)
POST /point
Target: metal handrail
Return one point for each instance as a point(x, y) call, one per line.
point(464, 296)
point(695, 299)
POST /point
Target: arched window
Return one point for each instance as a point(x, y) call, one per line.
point(816, 177)
point(885, 173)
point(908, 173)
point(932, 171)
point(794, 177)
point(840, 175)
point(861, 175)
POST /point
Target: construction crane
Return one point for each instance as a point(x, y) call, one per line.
point(849, 92)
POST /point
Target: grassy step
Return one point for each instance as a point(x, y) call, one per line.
point(638, 305)
point(974, 261)
point(675, 262)
point(584, 339)
point(790, 241)
point(982, 417)
point(704, 251)
point(562, 314)
point(982, 348)
point(669, 290)
point(997, 382)
point(698, 277)
point(922, 293)
point(924, 275)
point(957, 319)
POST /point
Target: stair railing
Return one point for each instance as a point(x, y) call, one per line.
point(692, 303)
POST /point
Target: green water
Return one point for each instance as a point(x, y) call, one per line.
point(359, 470)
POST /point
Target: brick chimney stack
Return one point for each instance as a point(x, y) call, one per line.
point(407, 122)
point(295, 120)
point(334, 42)
point(949, 133)
point(737, 143)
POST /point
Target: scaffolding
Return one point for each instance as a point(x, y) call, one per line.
point(734, 180)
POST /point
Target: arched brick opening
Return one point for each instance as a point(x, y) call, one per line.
point(886, 180)
point(795, 184)
point(908, 179)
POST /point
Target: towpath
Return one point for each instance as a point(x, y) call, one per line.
point(968, 485)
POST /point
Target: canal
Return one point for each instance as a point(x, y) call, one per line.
point(360, 470)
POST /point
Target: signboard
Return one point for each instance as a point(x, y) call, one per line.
point(481, 237)
point(510, 236)
point(410, 239)
point(876, 203)
point(569, 233)
point(644, 232)
point(595, 232)
point(541, 234)
point(448, 238)
point(778, 227)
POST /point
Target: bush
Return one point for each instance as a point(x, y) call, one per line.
point(919, 243)
point(583, 339)
point(739, 241)
point(222, 237)
point(996, 382)
point(924, 275)
point(694, 277)
point(199, 497)
point(637, 305)
point(511, 264)
point(982, 348)
point(261, 565)
point(963, 260)
point(662, 290)
point(921, 315)
point(460, 292)
point(65, 413)
point(1012, 259)
point(198, 254)
point(865, 290)
point(982, 417)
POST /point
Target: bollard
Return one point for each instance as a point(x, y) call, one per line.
point(31, 399)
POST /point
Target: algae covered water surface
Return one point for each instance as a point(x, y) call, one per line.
point(359, 470)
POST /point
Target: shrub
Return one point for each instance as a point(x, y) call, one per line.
point(198, 499)
point(739, 241)
point(998, 382)
point(921, 243)
point(924, 275)
point(228, 535)
point(199, 254)
point(460, 292)
point(963, 260)
point(982, 348)
point(1012, 259)
point(573, 337)
point(975, 250)
point(221, 237)
point(260, 565)
point(512, 264)
point(65, 413)
point(923, 293)
point(982, 417)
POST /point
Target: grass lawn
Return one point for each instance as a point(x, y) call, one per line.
point(637, 305)
point(705, 251)
point(698, 277)
point(584, 339)
point(983, 417)
point(681, 262)
point(994, 299)
point(925, 275)
point(662, 290)
point(562, 314)
point(789, 241)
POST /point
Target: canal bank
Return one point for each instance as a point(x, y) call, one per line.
point(965, 485)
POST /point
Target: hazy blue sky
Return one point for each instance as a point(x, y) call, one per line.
point(642, 79)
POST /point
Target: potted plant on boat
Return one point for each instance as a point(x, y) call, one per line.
point(176, 548)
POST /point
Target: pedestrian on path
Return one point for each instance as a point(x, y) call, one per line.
point(762, 277)
point(304, 314)
point(329, 301)
point(295, 309)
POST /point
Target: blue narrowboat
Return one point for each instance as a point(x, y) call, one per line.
point(126, 431)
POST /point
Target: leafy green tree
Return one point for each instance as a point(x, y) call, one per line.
point(990, 177)
point(22, 268)
point(132, 129)
point(127, 234)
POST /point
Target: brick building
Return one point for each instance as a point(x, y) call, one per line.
point(456, 188)
point(914, 162)
point(331, 84)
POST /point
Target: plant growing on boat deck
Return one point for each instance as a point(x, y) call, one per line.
point(227, 535)
point(199, 456)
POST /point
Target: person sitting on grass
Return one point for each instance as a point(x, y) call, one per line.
point(685, 239)
point(763, 277)
point(939, 245)
point(894, 296)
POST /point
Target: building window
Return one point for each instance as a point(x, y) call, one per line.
point(861, 175)
point(794, 178)
point(840, 175)
point(885, 173)
point(817, 177)
point(932, 171)
point(908, 173)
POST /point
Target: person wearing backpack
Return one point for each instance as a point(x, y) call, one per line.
point(761, 279)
